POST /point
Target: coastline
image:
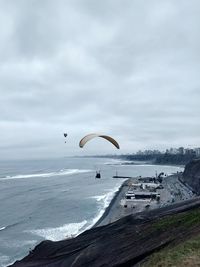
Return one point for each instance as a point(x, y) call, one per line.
point(155, 164)
point(115, 211)
point(130, 240)
point(107, 210)
point(172, 183)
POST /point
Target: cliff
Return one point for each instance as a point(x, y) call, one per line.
point(191, 175)
point(126, 242)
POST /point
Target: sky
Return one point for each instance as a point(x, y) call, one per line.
point(129, 69)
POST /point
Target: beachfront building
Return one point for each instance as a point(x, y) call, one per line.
point(149, 186)
point(142, 195)
point(139, 199)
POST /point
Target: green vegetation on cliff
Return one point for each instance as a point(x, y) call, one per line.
point(183, 220)
point(186, 250)
point(185, 254)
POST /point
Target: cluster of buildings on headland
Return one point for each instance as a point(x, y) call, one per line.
point(173, 151)
point(174, 156)
point(178, 156)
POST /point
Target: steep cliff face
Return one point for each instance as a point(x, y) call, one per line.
point(124, 243)
point(191, 175)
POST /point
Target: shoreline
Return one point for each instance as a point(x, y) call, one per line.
point(155, 164)
point(115, 211)
point(107, 210)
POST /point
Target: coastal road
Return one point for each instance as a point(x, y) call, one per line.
point(174, 191)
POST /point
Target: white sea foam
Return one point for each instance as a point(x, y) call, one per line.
point(105, 201)
point(45, 175)
point(10, 244)
point(73, 229)
point(116, 162)
point(4, 260)
point(62, 232)
point(98, 198)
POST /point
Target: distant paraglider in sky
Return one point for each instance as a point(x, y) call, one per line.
point(65, 135)
point(89, 137)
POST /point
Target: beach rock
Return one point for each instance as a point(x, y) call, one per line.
point(191, 175)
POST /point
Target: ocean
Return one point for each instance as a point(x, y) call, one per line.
point(56, 199)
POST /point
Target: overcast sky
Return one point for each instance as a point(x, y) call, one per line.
point(130, 69)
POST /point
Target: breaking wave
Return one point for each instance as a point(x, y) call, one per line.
point(58, 233)
point(9, 226)
point(119, 162)
point(73, 229)
point(4, 260)
point(45, 175)
point(104, 201)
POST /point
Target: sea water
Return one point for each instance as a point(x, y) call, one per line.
point(57, 199)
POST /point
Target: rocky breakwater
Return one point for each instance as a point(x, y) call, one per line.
point(191, 175)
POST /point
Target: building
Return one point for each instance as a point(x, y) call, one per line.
point(142, 195)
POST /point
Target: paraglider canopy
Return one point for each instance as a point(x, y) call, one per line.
point(89, 137)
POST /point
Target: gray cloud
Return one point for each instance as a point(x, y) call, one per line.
point(126, 68)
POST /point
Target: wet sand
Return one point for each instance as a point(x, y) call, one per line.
point(174, 191)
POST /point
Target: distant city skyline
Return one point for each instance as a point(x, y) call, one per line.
point(172, 150)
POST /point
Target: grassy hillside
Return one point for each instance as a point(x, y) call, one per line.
point(186, 250)
point(185, 254)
